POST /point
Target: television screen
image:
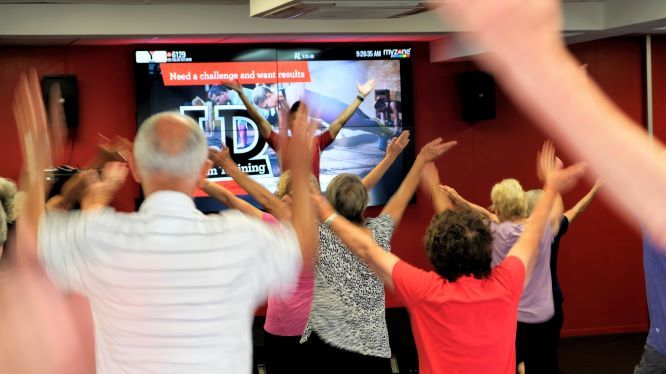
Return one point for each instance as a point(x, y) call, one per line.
point(187, 80)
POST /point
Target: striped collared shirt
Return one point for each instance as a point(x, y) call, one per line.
point(171, 290)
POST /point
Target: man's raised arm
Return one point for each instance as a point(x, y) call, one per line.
point(393, 150)
point(455, 197)
point(526, 53)
point(363, 91)
point(396, 205)
point(264, 127)
point(264, 197)
point(299, 154)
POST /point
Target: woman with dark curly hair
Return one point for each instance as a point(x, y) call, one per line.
point(464, 313)
point(534, 343)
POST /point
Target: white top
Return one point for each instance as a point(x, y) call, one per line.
point(171, 290)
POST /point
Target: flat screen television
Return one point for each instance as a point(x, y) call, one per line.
point(187, 79)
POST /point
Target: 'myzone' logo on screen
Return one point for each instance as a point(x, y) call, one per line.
point(229, 126)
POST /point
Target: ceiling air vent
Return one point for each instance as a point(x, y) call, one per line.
point(339, 9)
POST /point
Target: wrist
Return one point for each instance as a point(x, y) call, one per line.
point(329, 220)
point(360, 97)
point(420, 160)
point(548, 188)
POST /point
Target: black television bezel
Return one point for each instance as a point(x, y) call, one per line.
point(207, 204)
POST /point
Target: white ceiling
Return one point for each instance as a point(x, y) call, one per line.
point(135, 2)
point(227, 21)
point(143, 2)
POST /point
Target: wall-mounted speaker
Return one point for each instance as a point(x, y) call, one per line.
point(69, 93)
point(477, 96)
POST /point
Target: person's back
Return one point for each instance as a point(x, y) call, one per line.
point(464, 326)
point(171, 290)
point(536, 304)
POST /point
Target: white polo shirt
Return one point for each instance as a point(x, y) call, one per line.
point(171, 290)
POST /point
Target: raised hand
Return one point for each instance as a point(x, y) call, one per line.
point(34, 138)
point(453, 194)
point(197, 101)
point(435, 149)
point(75, 188)
point(117, 150)
point(123, 148)
point(220, 158)
point(102, 190)
point(365, 88)
point(233, 85)
point(397, 145)
point(561, 180)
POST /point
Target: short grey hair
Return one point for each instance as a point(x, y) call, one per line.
point(182, 158)
point(348, 196)
point(532, 197)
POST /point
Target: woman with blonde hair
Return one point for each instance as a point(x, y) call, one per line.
point(534, 346)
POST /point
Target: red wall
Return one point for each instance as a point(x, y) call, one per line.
point(600, 261)
point(106, 101)
point(600, 266)
point(659, 86)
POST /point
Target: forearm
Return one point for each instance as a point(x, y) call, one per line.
point(478, 209)
point(430, 183)
point(90, 203)
point(581, 205)
point(587, 199)
point(303, 220)
point(576, 113)
point(257, 191)
point(58, 202)
point(356, 240)
point(342, 119)
point(398, 202)
point(556, 212)
point(230, 200)
point(376, 174)
point(217, 192)
point(264, 127)
point(440, 200)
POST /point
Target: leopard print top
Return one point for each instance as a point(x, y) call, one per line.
point(348, 308)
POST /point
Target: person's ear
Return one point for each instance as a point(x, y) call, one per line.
point(133, 168)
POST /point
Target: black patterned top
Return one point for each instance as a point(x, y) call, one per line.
point(348, 308)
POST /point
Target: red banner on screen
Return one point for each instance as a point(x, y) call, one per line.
point(231, 185)
point(193, 74)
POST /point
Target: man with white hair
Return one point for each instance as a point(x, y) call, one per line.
point(173, 290)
